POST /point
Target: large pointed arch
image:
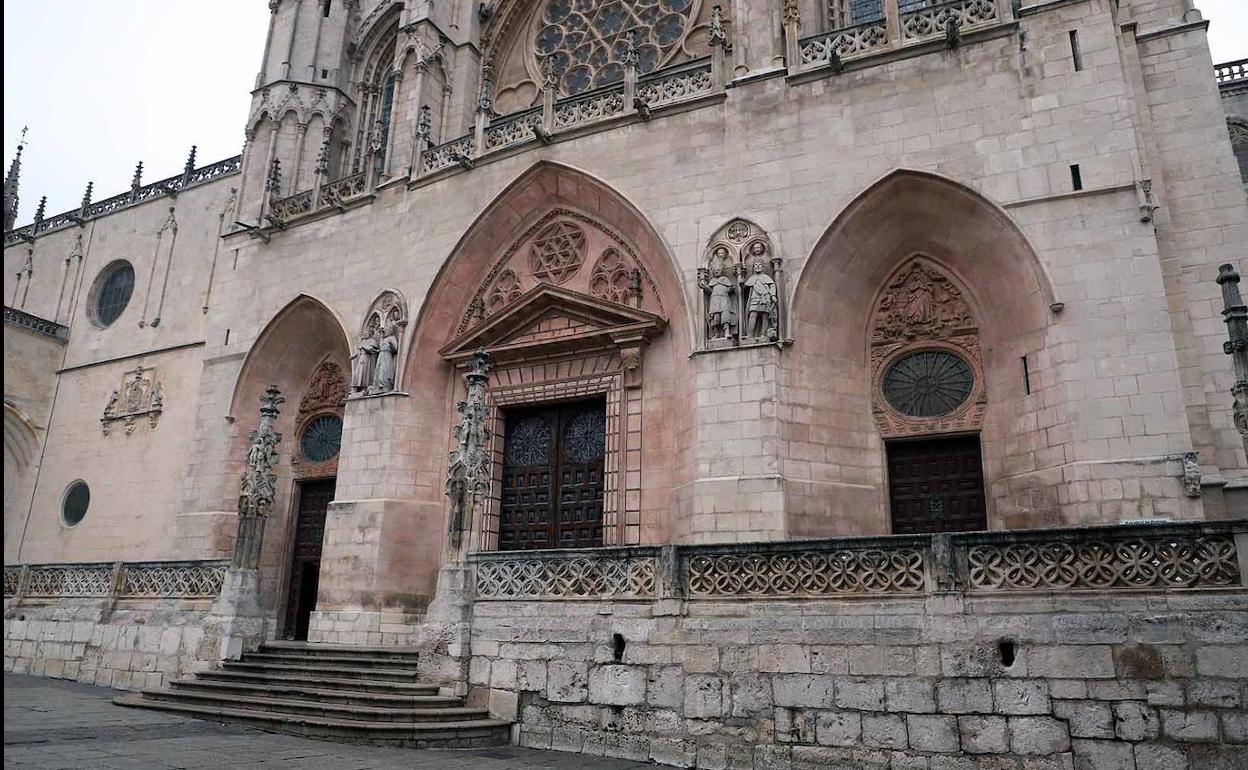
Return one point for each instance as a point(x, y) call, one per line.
point(661, 402)
point(904, 216)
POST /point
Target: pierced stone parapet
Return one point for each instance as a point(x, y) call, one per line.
point(288, 208)
point(846, 43)
point(447, 154)
point(1106, 561)
point(65, 580)
point(609, 573)
point(516, 128)
point(34, 323)
point(12, 580)
point(933, 22)
point(134, 197)
point(676, 84)
point(343, 190)
point(806, 569)
point(590, 107)
point(172, 580)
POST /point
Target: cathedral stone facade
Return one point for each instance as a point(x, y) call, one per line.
point(757, 385)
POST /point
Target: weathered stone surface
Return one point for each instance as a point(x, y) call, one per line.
point(984, 734)
point(1223, 661)
point(964, 696)
point(1081, 662)
point(860, 693)
point(884, 731)
point(1038, 735)
point(838, 728)
point(915, 696)
point(1103, 755)
point(1087, 719)
point(1192, 726)
point(1159, 756)
point(938, 733)
point(704, 696)
point(804, 690)
point(567, 682)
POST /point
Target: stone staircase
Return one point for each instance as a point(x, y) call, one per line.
point(333, 692)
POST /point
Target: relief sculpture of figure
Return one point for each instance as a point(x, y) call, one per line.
point(362, 361)
point(762, 308)
point(721, 312)
point(387, 355)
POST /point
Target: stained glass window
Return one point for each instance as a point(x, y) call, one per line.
point(115, 287)
point(322, 439)
point(586, 40)
point(929, 383)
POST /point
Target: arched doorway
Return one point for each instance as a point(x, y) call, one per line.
point(303, 351)
point(921, 287)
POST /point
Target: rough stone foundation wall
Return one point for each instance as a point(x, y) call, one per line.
point(1114, 680)
point(115, 645)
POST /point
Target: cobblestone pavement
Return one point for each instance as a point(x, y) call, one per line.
point(51, 724)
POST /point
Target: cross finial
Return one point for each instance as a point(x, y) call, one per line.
point(22, 142)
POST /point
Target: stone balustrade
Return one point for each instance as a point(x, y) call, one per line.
point(1168, 556)
point(34, 323)
point(160, 580)
point(135, 196)
point(1231, 72)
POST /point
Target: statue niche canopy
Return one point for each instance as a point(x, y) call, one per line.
point(585, 43)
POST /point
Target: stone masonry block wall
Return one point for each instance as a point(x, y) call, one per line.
point(870, 654)
point(124, 645)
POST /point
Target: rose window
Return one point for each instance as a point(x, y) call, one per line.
point(587, 40)
point(930, 383)
point(322, 439)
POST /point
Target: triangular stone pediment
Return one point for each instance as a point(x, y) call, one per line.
point(548, 319)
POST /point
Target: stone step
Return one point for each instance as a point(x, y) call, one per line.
point(340, 661)
point(318, 650)
point(318, 669)
point(241, 690)
point(273, 676)
point(462, 734)
point(316, 708)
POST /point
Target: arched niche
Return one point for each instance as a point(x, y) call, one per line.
point(383, 333)
point(917, 218)
point(507, 262)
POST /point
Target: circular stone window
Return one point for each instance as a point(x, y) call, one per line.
point(74, 503)
point(111, 292)
point(322, 439)
point(929, 383)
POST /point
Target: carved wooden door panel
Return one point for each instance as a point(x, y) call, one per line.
point(936, 485)
point(553, 460)
point(305, 565)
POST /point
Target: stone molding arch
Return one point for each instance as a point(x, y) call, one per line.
point(21, 436)
point(324, 394)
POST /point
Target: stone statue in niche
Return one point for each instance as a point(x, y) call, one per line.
point(374, 368)
point(721, 303)
point(762, 306)
point(387, 354)
point(363, 360)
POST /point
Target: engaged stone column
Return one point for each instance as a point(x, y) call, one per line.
point(236, 619)
point(1236, 315)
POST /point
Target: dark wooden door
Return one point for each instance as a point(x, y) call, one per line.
point(305, 565)
point(936, 485)
point(553, 460)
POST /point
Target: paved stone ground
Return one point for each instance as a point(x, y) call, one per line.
point(52, 724)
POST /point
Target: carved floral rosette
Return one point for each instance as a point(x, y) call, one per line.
point(324, 396)
point(922, 309)
point(139, 396)
point(734, 249)
point(569, 249)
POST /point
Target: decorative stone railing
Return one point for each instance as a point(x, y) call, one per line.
point(598, 573)
point(344, 190)
point(676, 84)
point(285, 209)
point(517, 128)
point(848, 43)
point(135, 196)
point(154, 580)
point(589, 107)
point(1187, 555)
point(1231, 71)
point(934, 21)
point(1103, 558)
point(447, 154)
point(34, 323)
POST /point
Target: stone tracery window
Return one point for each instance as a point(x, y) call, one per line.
point(587, 40)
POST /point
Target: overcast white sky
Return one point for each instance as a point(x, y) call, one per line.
point(103, 85)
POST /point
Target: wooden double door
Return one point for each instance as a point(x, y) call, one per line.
point(553, 461)
point(936, 485)
point(305, 565)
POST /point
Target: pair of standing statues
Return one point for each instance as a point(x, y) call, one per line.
point(761, 306)
point(373, 366)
